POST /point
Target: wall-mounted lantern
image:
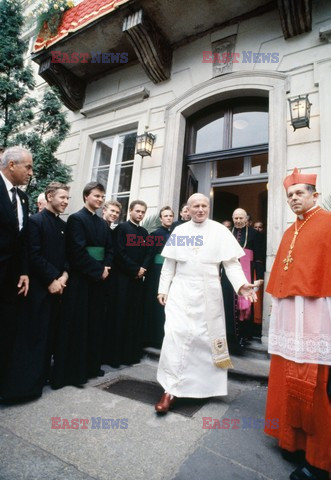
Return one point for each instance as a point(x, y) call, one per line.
point(300, 111)
point(145, 143)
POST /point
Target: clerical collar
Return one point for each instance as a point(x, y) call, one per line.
point(302, 215)
point(49, 212)
point(134, 223)
point(89, 211)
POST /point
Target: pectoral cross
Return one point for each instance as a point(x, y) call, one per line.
point(287, 260)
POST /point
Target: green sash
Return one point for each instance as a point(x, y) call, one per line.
point(158, 259)
point(98, 253)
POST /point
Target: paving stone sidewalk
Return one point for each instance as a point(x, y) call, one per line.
point(172, 447)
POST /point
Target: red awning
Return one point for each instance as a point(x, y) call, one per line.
point(76, 18)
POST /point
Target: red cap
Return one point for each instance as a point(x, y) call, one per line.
point(297, 177)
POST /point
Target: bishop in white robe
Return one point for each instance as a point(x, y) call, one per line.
point(194, 356)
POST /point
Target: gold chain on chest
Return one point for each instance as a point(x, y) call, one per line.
point(289, 259)
point(246, 236)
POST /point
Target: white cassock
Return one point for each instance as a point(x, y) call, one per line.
point(190, 277)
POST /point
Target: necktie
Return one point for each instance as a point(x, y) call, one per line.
point(14, 203)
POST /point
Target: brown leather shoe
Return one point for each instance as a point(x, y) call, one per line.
point(165, 403)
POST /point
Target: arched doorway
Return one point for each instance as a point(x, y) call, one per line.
point(227, 154)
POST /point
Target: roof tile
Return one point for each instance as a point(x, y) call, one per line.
point(76, 18)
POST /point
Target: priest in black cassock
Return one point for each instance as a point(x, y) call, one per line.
point(111, 212)
point(154, 317)
point(184, 215)
point(48, 267)
point(239, 313)
point(131, 262)
point(89, 246)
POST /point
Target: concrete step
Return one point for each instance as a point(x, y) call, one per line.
point(256, 349)
point(247, 368)
point(252, 364)
point(153, 353)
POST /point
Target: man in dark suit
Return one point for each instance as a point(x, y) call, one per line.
point(16, 169)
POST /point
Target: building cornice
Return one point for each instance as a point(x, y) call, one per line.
point(115, 102)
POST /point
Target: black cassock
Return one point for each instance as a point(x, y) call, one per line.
point(236, 329)
point(78, 351)
point(40, 316)
point(154, 317)
point(110, 338)
point(131, 253)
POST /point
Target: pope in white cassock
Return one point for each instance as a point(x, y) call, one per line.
point(194, 357)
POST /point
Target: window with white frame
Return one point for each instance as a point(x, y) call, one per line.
point(113, 166)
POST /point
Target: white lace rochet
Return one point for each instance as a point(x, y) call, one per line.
point(300, 329)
